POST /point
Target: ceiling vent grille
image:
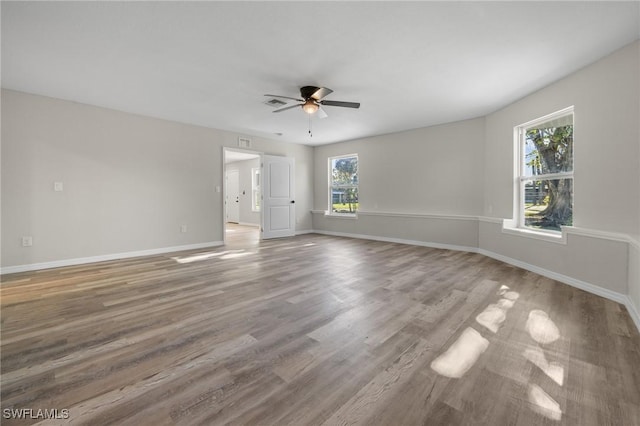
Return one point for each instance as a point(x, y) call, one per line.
point(244, 142)
point(276, 103)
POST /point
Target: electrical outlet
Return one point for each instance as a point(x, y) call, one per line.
point(27, 241)
point(183, 228)
point(58, 186)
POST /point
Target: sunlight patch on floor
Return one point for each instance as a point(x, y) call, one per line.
point(544, 331)
point(239, 253)
point(461, 355)
point(553, 370)
point(541, 328)
point(492, 317)
point(505, 303)
point(227, 254)
point(298, 247)
point(465, 351)
point(543, 404)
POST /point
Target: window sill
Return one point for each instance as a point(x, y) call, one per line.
point(549, 236)
point(340, 215)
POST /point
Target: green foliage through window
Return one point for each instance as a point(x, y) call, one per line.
point(547, 173)
point(343, 187)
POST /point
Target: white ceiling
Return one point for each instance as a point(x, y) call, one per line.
point(410, 64)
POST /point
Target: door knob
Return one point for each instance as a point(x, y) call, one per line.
point(293, 201)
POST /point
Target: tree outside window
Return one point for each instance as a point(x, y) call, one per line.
point(343, 184)
point(546, 172)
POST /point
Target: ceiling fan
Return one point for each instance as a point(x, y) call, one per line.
point(312, 101)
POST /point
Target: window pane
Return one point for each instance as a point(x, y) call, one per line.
point(344, 200)
point(548, 149)
point(256, 201)
point(255, 189)
point(548, 204)
point(344, 171)
point(343, 187)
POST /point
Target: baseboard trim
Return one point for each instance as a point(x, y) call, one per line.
point(582, 285)
point(103, 258)
point(573, 282)
point(633, 312)
point(399, 241)
point(623, 299)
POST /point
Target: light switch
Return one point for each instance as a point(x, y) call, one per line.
point(58, 186)
point(218, 188)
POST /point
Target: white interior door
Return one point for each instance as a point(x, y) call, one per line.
point(232, 201)
point(278, 202)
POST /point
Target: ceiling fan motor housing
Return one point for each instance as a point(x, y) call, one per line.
point(307, 91)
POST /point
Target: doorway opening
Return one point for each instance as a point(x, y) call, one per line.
point(242, 197)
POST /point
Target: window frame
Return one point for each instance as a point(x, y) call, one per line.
point(330, 211)
point(520, 170)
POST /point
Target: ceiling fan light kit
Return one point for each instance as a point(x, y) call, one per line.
point(310, 107)
point(312, 102)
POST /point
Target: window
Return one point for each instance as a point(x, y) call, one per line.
point(545, 172)
point(343, 185)
point(255, 189)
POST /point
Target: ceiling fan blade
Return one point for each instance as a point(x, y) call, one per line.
point(285, 97)
point(286, 108)
point(341, 104)
point(321, 93)
point(322, 113)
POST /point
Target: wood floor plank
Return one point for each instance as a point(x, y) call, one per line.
point(313, 330)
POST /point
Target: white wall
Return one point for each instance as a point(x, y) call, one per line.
point(129, 181)
point(432, 170)
point(607, 171)
point(634, 251)
point(408, 181)
point(438, 186)
point(634, 275)
point(247, 215)
point(606, 150)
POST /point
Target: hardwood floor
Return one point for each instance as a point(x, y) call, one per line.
point(314, 330)
point(241, 235)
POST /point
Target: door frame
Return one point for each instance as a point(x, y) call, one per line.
point(225, 149)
